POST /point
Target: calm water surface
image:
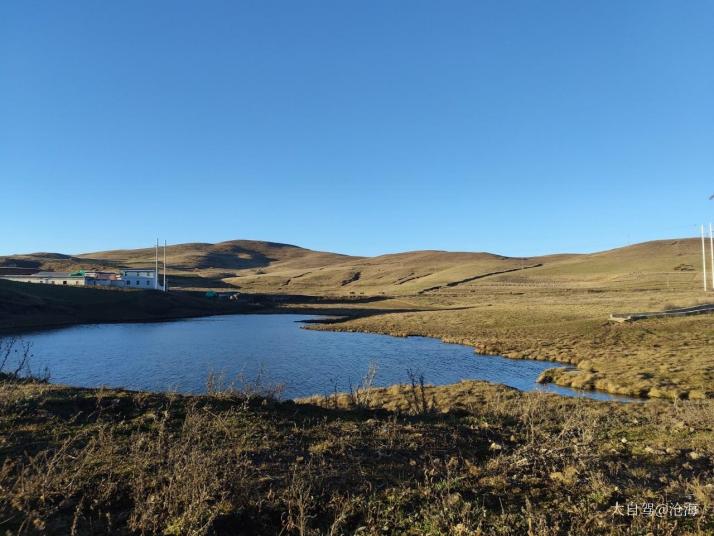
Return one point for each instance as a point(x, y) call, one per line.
point(179, 355)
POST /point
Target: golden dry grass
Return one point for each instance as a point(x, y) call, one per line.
point(669, 357)
point(481, 459)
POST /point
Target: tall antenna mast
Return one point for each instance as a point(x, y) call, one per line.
point(704, 260)
point(165, 265)
point(156, 271)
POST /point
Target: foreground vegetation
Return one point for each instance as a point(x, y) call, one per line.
point(472, 458)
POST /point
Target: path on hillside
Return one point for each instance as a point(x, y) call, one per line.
point(685, 311)
point(480, 276)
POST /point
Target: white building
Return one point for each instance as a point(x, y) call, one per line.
point(143, 278)
point(129, 279)
point(51, 278)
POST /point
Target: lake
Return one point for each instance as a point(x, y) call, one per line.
point(179, 355)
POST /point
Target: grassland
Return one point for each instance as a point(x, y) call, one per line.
point(551, 307)
point(658, 358)
point(472, 458)
point(469, 458)
point(559, 311)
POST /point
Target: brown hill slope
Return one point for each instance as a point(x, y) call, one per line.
point(202, 260)
point(255, 266)
point(398, 274)
point(660, 264)
point(231, 255)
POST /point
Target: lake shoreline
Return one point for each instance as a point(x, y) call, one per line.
point(67, 323)
point(507, 340)
point(560, 376)
point(33, 308)
point(271, 346)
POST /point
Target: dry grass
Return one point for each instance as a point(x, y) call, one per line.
point(484, 460)
point(669, 357)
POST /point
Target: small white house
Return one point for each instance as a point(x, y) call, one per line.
point(141, 278)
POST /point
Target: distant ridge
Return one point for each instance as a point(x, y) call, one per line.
point(274, 267)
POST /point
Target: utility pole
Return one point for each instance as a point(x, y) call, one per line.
point(711, 253)
point(156, 271)
point(704, 260)
point(165, 266)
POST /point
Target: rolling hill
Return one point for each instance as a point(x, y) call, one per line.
point(661, 264)
point(269, 267)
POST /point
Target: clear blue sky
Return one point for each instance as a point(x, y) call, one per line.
point(362, 127)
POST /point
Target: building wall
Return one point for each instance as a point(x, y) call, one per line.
point(138, 282)
point(94, 282)
point(140, 279)
point(70, 281)
point(130, 280)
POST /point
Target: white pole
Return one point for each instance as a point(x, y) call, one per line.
point(711, 253)
point(164, 265)
point(156, 271)
point(704, 260)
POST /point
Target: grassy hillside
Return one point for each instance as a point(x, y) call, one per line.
point(666, 265)
point(662, 264)
point(25, 305)
point(201, 265)
point(255, 266)
point(232, 255)
point(398, 274)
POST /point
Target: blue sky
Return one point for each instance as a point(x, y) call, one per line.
point(362, 127)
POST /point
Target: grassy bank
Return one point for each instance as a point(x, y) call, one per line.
point(663, 358)
point(472, 458)
point(27, 306)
